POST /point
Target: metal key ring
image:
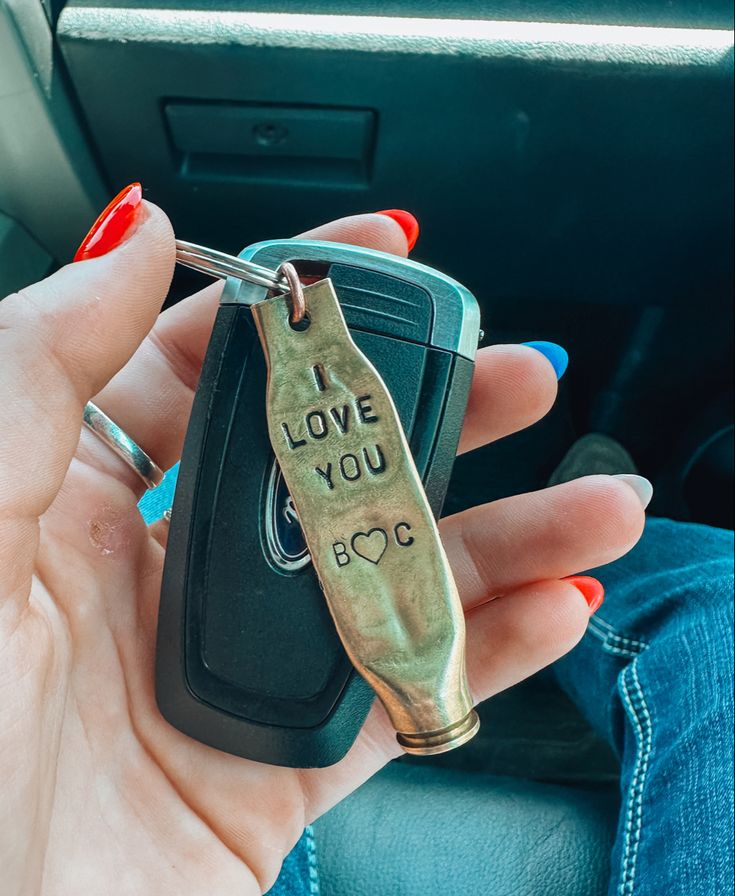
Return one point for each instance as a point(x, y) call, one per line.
point(120, 442)
point(221, 265)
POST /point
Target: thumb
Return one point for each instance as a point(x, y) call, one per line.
point(61, 340)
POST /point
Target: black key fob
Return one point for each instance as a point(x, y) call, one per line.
point(248, 658)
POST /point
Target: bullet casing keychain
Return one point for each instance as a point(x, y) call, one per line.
point(362, 508)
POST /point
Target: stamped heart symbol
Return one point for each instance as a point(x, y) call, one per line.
point(370, 545)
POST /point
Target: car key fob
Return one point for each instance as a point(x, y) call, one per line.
point(248, 657)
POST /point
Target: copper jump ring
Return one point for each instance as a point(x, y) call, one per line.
point(296, 290)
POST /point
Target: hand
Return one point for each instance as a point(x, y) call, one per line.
point(100, 794)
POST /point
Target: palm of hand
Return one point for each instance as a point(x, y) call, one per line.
point(101, 795)
point(101, 788)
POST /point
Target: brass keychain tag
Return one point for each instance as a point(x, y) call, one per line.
point(367, 523)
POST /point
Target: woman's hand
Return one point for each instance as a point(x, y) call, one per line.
point(99, 793)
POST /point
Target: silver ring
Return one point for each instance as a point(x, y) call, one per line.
point(222, 265)
point(121, 443)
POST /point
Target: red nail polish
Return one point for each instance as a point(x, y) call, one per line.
point(109, 230)
point(407, 223)
point(592, 590)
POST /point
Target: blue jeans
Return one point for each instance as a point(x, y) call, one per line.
point(654, 675)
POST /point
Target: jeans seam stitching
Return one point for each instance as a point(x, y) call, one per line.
point(314, 888)
point(610, 633)
point(621, 651)
point(608, 627)
point(634, 814)
point(612, 642)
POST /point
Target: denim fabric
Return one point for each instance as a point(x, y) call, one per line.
point(654, 674)
point(299, 875)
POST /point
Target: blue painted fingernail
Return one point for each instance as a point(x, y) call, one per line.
point(554, 354)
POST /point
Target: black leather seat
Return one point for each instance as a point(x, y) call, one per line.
point(528, 808)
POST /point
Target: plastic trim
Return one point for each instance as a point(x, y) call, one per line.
point(532, 41)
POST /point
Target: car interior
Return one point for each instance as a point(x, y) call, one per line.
point(569, 162)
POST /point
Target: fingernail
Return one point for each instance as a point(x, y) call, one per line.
point(592, 590)
point(406, 221)
point(554, 354)
point(109, 230)
point(640, 485)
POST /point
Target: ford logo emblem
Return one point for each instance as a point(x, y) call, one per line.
point(284, 539)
